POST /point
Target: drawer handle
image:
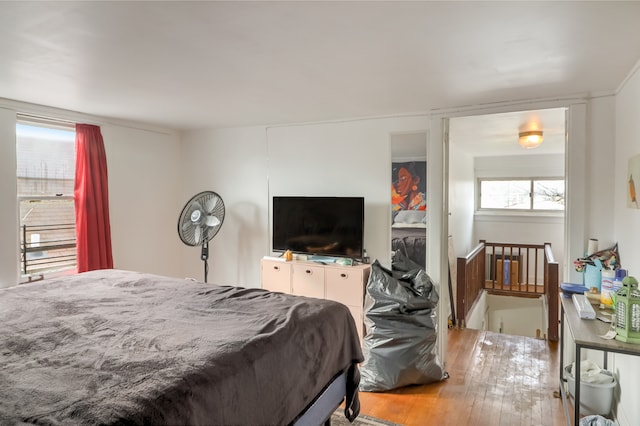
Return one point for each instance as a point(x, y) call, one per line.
point(309, 271)
point(277, 268)
point(343, 275)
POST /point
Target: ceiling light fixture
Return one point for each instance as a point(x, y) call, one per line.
point(530, 139)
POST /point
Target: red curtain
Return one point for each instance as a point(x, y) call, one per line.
point(93, 231)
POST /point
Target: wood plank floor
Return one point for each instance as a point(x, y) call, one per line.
point(495, 379)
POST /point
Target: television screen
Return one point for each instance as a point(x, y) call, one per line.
point(326, 226)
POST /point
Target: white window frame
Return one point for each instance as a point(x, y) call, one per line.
point(56, 269)
point(531, 181)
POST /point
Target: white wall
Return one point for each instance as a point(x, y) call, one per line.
point(626, 222)
point(408, 147)
point(9, 243)
point(600, 179)
point(461, 204)
point(233, 163)
point(478, 318)
point(143, 181)
point(543, 165)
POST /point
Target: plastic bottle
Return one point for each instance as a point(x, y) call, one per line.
point(611, 283)
point(606, 287)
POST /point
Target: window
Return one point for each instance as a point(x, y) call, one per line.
point(529, 194)
point(45, 179)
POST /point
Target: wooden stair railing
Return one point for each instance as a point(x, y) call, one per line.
point(470, 282)
point(523, 270)
point(515, 269)
point(552, 292)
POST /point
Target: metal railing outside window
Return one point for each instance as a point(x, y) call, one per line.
point(47, 248)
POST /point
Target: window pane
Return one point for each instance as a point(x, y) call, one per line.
point(548, 195)
point(48, 229)
point(505, 194)
point(46, 160)
point(45, 176)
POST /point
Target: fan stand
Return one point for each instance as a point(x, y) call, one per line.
point(204, 255)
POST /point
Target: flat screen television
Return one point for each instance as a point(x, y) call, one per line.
point(324, 226)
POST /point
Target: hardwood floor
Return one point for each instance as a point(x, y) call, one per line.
point(494, 379)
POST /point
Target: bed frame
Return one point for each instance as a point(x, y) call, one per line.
point(320, 411)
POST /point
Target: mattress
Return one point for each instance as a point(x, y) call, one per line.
point(119, 347)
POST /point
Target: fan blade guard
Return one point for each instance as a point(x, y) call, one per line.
point(201, 218)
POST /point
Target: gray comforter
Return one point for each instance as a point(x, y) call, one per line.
point(117, 347)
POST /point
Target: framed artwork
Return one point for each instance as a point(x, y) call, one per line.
point(409, 185)
point(633, 182)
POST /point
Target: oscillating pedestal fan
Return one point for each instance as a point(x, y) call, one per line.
point(200, 221)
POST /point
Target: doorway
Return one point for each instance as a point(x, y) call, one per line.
point(493, 182)
point(438, 190)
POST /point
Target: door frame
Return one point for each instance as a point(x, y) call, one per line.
point(438, 190)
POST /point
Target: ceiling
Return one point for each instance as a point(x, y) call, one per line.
point(188, 65)
point(497, 134)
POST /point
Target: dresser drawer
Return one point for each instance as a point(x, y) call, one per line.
point(308, 280)
point(276, 276)
point(344, 285)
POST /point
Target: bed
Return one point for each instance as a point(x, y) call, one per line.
point(409, 235)
point(119, 347)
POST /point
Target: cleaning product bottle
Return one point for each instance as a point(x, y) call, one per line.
point(606, 287)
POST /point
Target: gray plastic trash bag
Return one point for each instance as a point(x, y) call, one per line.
point(400, 316)
point(401, 262)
